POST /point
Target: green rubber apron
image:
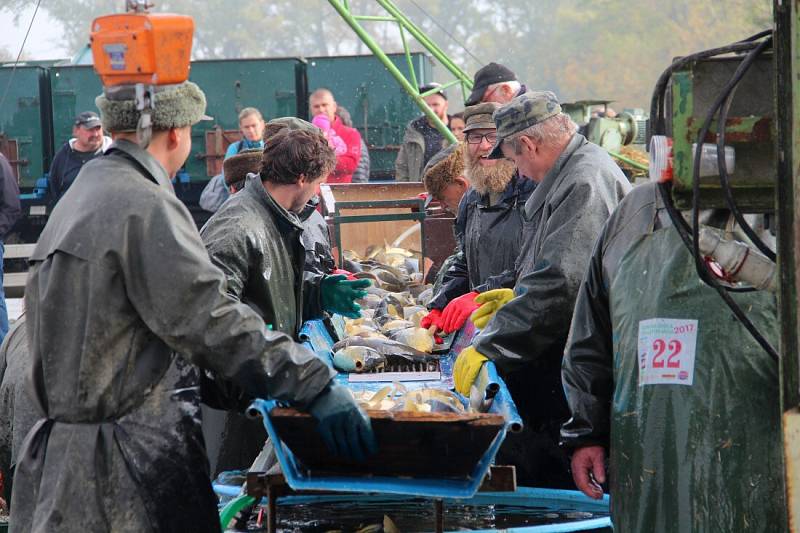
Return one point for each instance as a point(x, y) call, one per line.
point(695, 424)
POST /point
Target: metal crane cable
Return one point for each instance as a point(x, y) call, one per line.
point(21, 48)
point(441, 27)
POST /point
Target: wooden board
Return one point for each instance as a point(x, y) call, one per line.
point(359, 236)
point(411, 445)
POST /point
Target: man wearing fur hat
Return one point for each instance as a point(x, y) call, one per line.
point(119, 446)
point(488, 227)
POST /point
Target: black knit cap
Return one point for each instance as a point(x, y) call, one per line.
point(488, 75)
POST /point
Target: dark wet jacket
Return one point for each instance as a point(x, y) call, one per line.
point(18, 413)
point(259, 247)
point(567, 211)
point(487, 242)
point(526, 337)
point(589, 387)
point(120, 448)
point(316, 240)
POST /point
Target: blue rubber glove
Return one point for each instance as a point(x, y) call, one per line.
point(339, 295)
point(344, 427)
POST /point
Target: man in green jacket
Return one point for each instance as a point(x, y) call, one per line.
point(255, 238)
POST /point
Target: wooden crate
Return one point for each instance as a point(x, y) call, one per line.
point(359, 236)
point(410, 445)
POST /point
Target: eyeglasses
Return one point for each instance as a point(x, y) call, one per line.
point(477, 138)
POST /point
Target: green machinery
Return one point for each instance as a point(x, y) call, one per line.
point(612, 133)
point(749, 131)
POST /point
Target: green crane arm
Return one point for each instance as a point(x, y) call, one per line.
point(406, 26)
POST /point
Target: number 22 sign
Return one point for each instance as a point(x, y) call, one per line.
point(667, 351)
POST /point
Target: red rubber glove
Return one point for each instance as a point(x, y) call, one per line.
point(434, 318)
point(457, 312)
point(339, 271)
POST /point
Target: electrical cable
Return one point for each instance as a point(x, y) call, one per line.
point(702, 269)
point(21, 48)
point(680, 225)
point(459, 43)
point(723, 170)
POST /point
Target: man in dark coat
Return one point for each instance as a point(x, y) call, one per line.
point(87, 142)
point(579, 187)
point(255, 238)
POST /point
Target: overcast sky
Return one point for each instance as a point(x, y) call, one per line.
point(42, 42)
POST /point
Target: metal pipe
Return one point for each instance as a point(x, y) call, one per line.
point(393, 70)
point(418, 34)
point(745, 264)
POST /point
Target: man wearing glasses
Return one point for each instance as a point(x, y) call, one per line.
point(524, 331)
point(488, 227)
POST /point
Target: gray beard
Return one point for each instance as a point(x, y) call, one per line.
point(493, 179)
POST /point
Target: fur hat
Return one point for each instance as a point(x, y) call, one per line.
point(444, 170)
point(237, 167)
point(174, 106)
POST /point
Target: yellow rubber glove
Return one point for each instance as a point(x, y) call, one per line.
point(491, 302)
point(465, 370)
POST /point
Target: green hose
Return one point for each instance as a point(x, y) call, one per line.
point(233, 507)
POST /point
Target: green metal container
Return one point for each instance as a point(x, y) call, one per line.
point(74, 88)
point(25, 120)
point(379, 107)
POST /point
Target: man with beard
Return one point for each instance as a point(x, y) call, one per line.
point(488, 225)
point(579, 187)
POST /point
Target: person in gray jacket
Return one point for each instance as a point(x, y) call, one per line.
point(421, 140)
point(579, 187)
point(119, 447)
